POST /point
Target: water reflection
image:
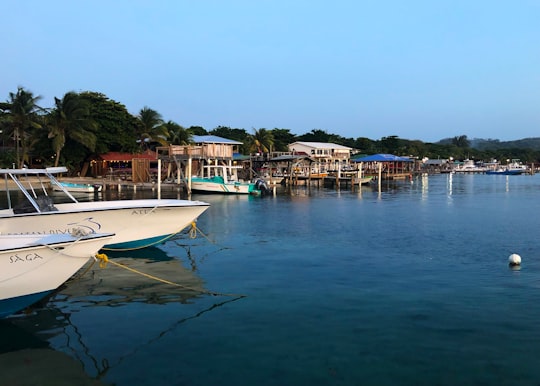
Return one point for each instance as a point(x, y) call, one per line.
point(26, 359)
point(69, 348)
point(145, 276)
point(105, 317)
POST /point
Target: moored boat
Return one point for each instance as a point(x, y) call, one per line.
point(31, 266)
point(76, 187)
point(469, 166)
point(512, 168)
point(223, 179)
point(506, 171)
point(135, 223)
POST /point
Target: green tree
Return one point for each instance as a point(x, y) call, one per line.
point(197, 130)
point(461, 141)
point(239, 135)
point(151, 128)
point(365, 145)
point(70, 118)
point(390, 144)
point(177, 134)
point(316, 135)
point(282, 138)
point(117, 128)
point(20, 119)
point(261, 141)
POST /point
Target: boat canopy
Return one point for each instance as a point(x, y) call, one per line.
point(53, 170)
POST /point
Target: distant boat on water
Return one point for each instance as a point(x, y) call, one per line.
point(468, 166)
point(76, 187)
point(513, 168)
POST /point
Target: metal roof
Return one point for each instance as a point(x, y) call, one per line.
point(214, 139)
point(383, 158)
point(321, 145)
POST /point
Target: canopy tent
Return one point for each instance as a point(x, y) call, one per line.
point(383, 158)
point(386, 166)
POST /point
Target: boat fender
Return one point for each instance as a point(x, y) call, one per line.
point(514, 260)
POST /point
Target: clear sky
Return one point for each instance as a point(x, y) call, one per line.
point(422, 70)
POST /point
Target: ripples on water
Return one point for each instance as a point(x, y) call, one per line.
point(406, 286)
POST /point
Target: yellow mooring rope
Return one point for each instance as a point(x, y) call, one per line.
point(195, 229)
point(104, 260)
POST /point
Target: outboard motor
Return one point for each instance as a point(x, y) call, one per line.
point(260, 185)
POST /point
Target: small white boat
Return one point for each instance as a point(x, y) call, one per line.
point(224, 179)
point(365, 180)
point(468, 166)
point(135, 223)
point(31, 266)
point(76, 187)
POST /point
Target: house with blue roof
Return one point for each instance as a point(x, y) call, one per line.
point(386, 166)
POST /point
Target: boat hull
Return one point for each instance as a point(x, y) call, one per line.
point(506, 172)
point(13, 305)
point(135, 223)
point(202, 185)
point(33, 266)
point(77, 188)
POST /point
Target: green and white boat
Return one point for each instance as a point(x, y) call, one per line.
point(224, 179)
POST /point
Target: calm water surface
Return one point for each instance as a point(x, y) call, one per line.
point(406, 286)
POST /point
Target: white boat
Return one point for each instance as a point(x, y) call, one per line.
point(468, 166)
point(365, 180)
point(224, 179)
point(76, 187)
point(31, 266)
point(135, 223)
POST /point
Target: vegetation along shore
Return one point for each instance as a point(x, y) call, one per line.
point(83, 124)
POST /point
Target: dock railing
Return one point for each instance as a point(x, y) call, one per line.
point(207, 151)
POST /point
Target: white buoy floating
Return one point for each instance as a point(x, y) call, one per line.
point(514, 260)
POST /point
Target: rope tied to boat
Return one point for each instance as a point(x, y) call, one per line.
point(104, 260)
point(79, 232)
point(194, 230)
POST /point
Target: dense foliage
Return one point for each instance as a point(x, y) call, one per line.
point(82, 125)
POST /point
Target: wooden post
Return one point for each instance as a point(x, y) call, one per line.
point(159, 178)
point(380, 175)
point(188, 175)
point(338, 175)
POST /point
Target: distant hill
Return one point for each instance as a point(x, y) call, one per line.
point(495, 144)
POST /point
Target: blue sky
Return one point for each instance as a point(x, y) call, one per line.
point(422, 70)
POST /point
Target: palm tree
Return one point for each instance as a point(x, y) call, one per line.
point(152, 128)
point(20, 119)
point(177, 134)
point(70, 119)
point(261, 141)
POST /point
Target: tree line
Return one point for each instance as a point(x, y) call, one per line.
point(82, 125)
